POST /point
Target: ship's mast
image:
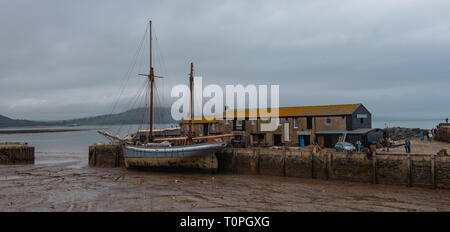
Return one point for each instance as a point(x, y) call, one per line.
point(191, 87)
point(152, 80)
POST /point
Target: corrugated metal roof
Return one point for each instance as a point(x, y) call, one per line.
point(204, 120)
point(332, 132)
point(359, 131)
point(327, 110)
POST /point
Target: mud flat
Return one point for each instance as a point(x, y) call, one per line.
point(43, 188)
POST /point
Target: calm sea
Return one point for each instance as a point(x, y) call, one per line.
point(68, 146)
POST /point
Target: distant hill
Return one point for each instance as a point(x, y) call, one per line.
point(134, 116)
point(8, 122)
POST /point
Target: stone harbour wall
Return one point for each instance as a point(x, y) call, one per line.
point(16, 153)
point(415, 170)
point(443, 132)
point(106, 155)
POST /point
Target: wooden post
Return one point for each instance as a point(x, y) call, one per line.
point(258, 158)
point(409, 174)
point(312, 165)
point(433, 171)
point(374, 167)
point(284, 162)
point(234, 160)
point(326, 165)
point(191, 104)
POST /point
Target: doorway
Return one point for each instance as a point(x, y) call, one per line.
point(304, 140)
point(277, 140)
point(205, 129)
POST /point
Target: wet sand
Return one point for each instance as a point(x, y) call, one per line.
point(41, 187)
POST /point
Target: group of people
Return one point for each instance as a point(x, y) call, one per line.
point(387, 143)
point(430, 134)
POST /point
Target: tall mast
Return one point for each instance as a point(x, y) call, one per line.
point(191, 87)
point(152, 80)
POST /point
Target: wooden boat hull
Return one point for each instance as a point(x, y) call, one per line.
point(197, 156)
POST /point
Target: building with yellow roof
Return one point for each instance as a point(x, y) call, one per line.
point(296, 126)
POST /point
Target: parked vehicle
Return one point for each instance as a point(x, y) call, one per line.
point(344, 146)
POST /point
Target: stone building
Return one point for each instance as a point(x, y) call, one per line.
point(296, 125)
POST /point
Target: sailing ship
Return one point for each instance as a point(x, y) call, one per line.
point(161, 152)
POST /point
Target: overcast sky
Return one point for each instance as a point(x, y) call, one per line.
point(69, 59)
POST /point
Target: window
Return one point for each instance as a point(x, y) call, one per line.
point(238, 122)
point(328, 121)
point(362, 120)
point(227, 122)
point(309, 123)
point(213, 126)
point(279, 121)
point(295, 122)
point(253, 122)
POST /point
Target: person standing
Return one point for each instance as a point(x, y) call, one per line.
point(421, 135)
point(430, 136)
point(358, 145)
point(388, 143)
point(408, 146)
point(446, 120)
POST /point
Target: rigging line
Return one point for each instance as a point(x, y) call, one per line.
point(163, 66)
point(144, 112)
point(133, 99)
point(134, 102)
point(162, 86)
point(160, 60)
point(158, 101)
point(131, 67)
point(139, 104)
point(160, 106)
point(133, 108)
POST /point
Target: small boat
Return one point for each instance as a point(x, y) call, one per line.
point(159, 152)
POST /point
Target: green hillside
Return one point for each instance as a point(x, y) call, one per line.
point(8, 122)
point(134, 116)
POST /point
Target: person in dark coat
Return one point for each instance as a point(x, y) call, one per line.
point(408, 146)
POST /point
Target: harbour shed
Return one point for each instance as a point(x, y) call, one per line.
point(296, 126)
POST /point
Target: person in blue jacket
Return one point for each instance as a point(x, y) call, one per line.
point(421, 135)
point(408, 146)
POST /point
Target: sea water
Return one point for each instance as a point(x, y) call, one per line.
point(54, 147)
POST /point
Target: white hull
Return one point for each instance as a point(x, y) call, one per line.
point(196, 156)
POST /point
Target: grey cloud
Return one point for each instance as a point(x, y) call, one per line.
point(65, 59)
